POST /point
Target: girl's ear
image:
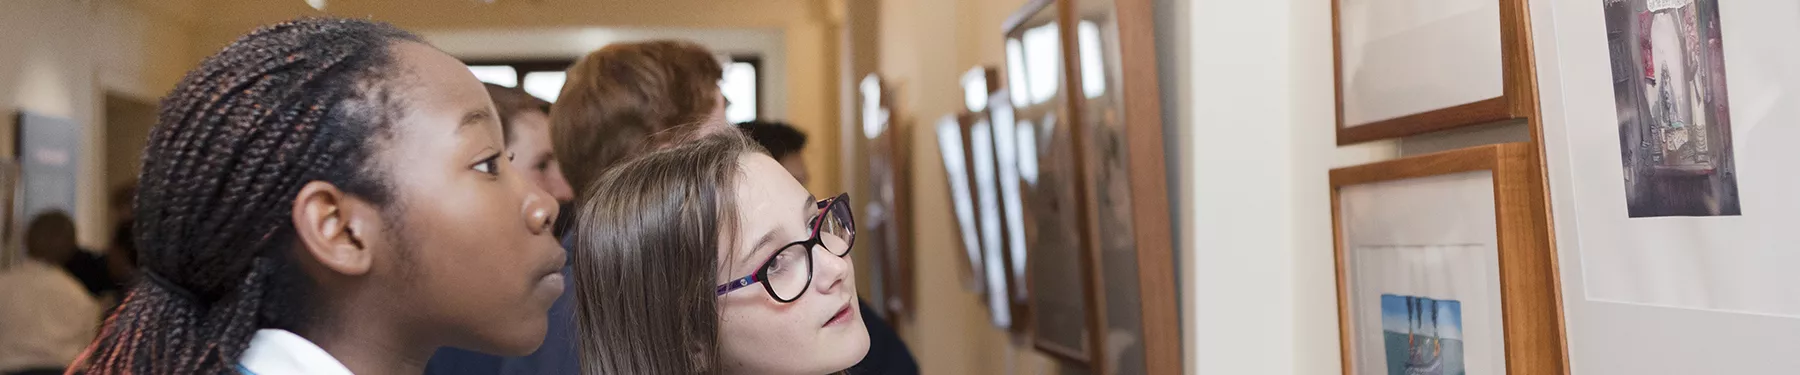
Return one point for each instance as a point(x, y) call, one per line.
point(335, 228)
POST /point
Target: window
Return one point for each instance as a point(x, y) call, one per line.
point(545, 85)
point(741, 83)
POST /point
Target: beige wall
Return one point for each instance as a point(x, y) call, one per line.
point(923, 48)
point(808, 34)
point(60, 57)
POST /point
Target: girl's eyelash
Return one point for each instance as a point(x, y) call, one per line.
point(490, 165)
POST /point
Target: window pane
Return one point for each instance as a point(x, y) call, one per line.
point(545, 85)
point(739, 87)
point(496, 74)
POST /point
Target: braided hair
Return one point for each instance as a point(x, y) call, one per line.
point(288, 104)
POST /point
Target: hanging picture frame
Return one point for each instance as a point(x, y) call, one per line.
point(886, 214)
point(1113, 68)
point(1410, 67)
point(1052, 194)
point(953, 150)
point(1444, 264)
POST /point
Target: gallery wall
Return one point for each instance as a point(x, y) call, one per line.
point(64, 56)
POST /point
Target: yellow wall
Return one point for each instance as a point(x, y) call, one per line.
point(923, 48)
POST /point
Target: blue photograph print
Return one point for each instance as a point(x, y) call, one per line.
point(1423, 336)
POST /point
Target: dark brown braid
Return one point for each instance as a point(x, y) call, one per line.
point(285, 105)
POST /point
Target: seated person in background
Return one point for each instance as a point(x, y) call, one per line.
point(87, 267)
point(46, 317)
point(707, 258)
point(329, 196)
point(887, 354)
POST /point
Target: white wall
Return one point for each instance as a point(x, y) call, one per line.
point(1256, 143)
point(59, 58)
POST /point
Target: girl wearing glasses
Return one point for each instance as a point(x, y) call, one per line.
point(710, 258)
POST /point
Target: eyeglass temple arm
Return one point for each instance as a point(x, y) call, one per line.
point(736, 284)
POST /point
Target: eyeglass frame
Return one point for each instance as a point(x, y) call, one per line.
point(818, 223)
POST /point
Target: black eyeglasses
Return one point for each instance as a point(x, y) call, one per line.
point(788, 273)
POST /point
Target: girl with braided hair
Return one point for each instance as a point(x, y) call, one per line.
point(329, 196)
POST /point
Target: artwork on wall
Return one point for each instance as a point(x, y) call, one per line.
point(1062, 323)
point(1425, 247)
point(1423, 335)
point(985, 170)
point(953, 150)
point(1654, 258)
point(49, 149)
point(1668, 69)
point(885, 216)
point(1414, 66)
point(1083, 100)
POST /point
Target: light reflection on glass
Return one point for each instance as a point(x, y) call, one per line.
point(981, 142)
point(1015, 72)
point(1043, 62)
point(1093, 72)
point(950, 145)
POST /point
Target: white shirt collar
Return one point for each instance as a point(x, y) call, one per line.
point(279, 352)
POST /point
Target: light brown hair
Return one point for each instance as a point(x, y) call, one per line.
point(646, 244)
point(510, 102)
point(627, 99)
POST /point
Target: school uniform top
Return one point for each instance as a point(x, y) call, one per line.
point(279, 352)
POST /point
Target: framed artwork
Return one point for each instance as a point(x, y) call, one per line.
point(885, 216)
point(1121, 145)
point(1444, 265)
point(953, 149)
point(1063, 324)
point(49, 150)
point(989, 174)
point(1407, 67)
point(1667, 133)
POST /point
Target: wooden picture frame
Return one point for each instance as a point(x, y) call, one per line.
point(954, 151)
point(886, 215)
point(1114, 69)
point(1066, 324)
point(1514, 100)
point(1108, 98)
point(991, 158)
point(1528, 315)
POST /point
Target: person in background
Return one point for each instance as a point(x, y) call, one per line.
point(618, 102)
point(784, 143)
point(121, 256)
point(46, 316)
point(887, 354)
point(707, 258)
point(628, 99)
point(88, 267)
point(525, 122)
point(329, 196)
